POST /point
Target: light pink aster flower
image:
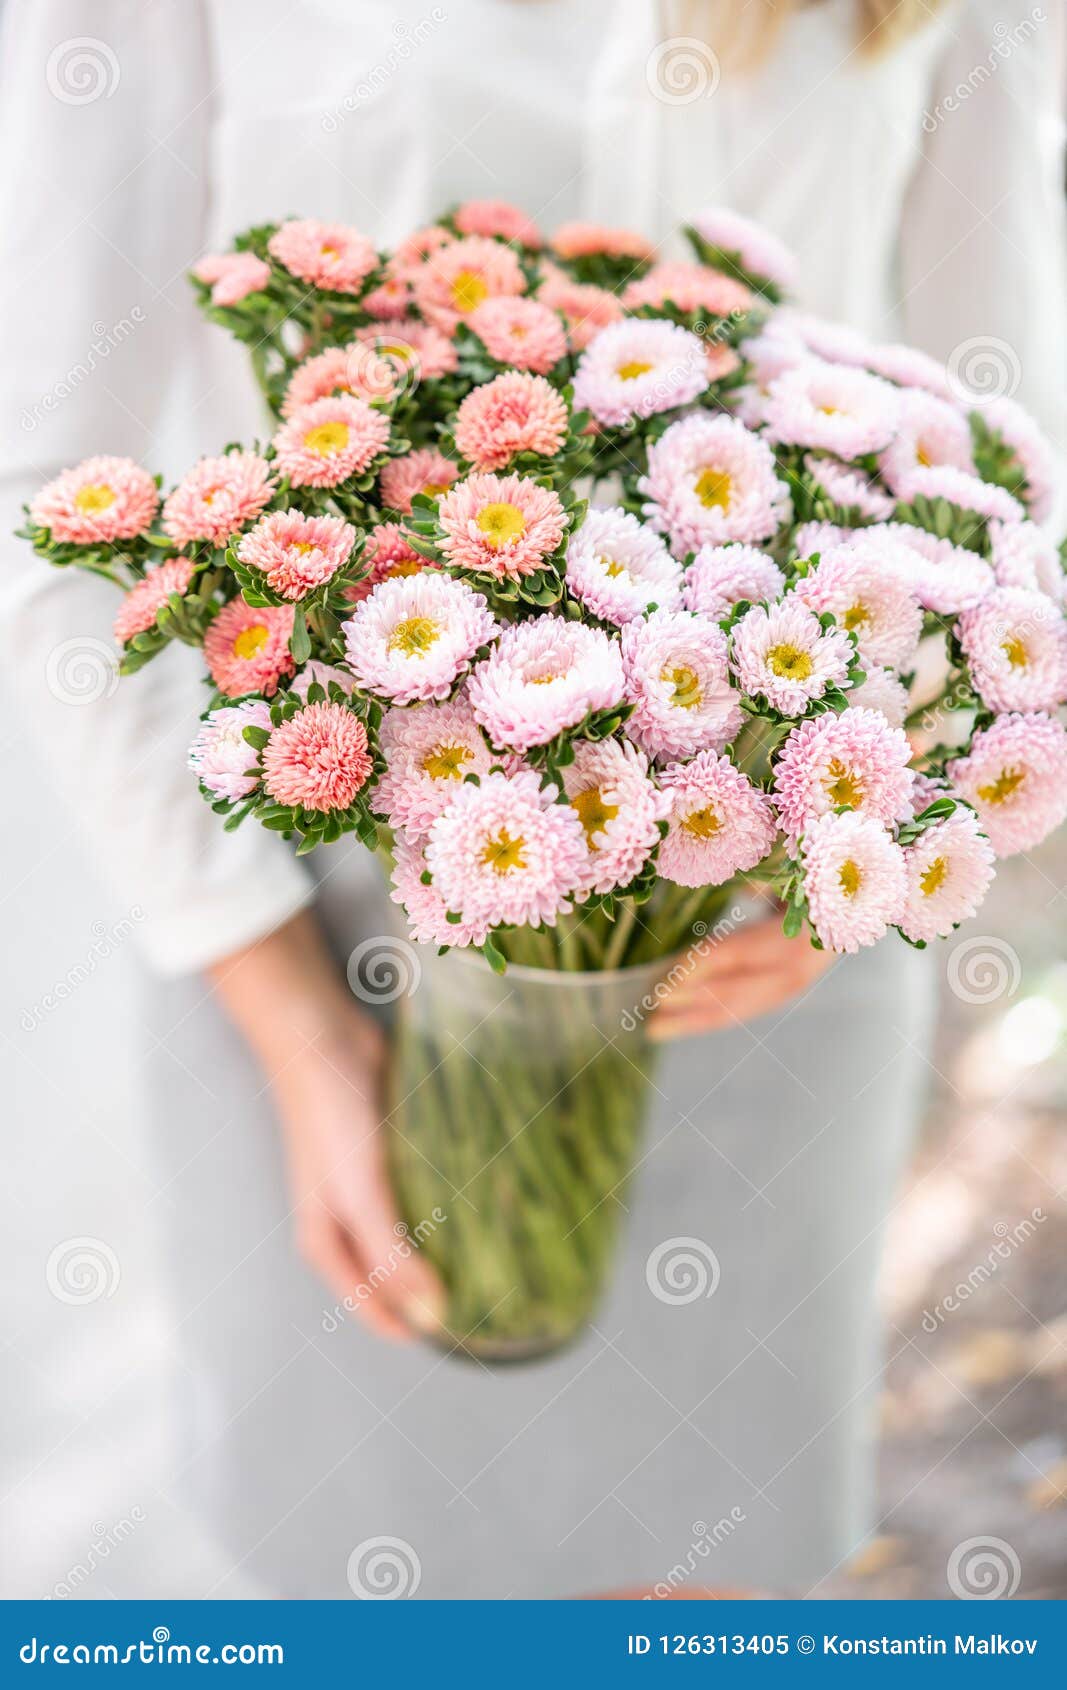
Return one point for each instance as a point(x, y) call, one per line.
point(542, 677)
point(324, 443)
point(387, 552)
point(359, 371)
point(422, 351)
point(720, 361)
point(220, 756)
point(931, 434)
point(752, 246)
point(711, 480)
point(428, 749)
point(98, 501)
point(833, 343)
point(421, 244)
point(297, 553)
point(860, 586)
point(854, 761)
point(850, 488)
point(854, 880)
point(497, 218)
point(965, 491)
point(598, 240)
point(812, 537)
point(585, 309)
point(232, 276)
point(944, 578)
point(785, 655)
point(720, 824)
point(506, 851)
point(619, 807)
point(246, 647)
point(500, 525)
point(1015, 644)
point(318, 759)
point(424, 471)
point(325, 675)
point(524, 333)
point(833, 408)
point(721, 576)
point(881, 690)
point(1023, 556)
point(217, 498)
point(638, 368)
point(457, 277)
point(618, 568)
point(415, 634)
point(768, 355)
point(689, 288)
point(678, 679)
point(909, 368)
point(1033, 452)
point(328, 255)
point(515, 412)
point(423, 904)
point(1015, 775)
point(392, 297)
point(142, 604)
point(949, 871)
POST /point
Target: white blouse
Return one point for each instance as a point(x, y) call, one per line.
point(921, 191)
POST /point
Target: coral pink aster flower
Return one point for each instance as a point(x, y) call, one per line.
point(751, 247)
point(513, 413)
point(497, 217)
point(393, 297)
point(689, 288)
point(318, 759)
point(417, 349)
point(854, 879)
point(844, 411)
point(678, 680)
point(869, 596)
point(415, 634)
point(96, 502)
point(542, 677)
point(324, 443)
point(785, 655)
point(423, 904)
point(359, 370)
point(457, 277)
point(232, 276)
point(597, 240)
point(1015, 775)
point(328, 255)
point(854, 761)
point(949, 871)
point(246, 647)
point(720, 824)
point(426, 471)
point(1023, 556)
point(387, 553)
point(297, 553)
point(505, 851)
point(524, 333)
point(620, 808)
point(585, 309)
point(618, 568)
point(503, 526)
point(143, 602)
point(217, 498)
point(710, 480)
point(221, 757)
point(638, 368)
point(1015, 644)
point(420, 245)
point(721, 576)
point(428, 749)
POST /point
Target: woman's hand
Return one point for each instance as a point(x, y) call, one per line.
point(325, 1059)
point(753, 970)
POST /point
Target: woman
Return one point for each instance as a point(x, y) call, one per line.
point(325, 1461)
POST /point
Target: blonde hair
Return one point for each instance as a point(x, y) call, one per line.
point(742, 32)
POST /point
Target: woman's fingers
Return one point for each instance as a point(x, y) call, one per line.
point(328, 1248)
point(403, 1278)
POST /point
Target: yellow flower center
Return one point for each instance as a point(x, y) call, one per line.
point(593, 813)
point(702, 824)
point(414, 636)
point(712, 487)
point(922, 456)
point(208, 498)
point(403, 566)
point(326, 438)
point(850, 877)
point(328, 251)
point(445, 762)
point(789, 662)
point(93, 497)
point(301, 547)
point(468, 290)
point(856, 616)
point(934, 876)
point(688, 692)
point(503, 853)
point(404, 353)
point(501, 524)
point(1015, 651)
point(633, 369)
point(843, 788)
point(250, 641)
point(434, 489)
point(1004, 787)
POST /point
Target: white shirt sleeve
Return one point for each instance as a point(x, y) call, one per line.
point(104, 132)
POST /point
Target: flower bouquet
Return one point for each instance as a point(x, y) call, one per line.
point(586, 588)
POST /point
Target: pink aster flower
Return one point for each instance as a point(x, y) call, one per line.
point(513, 413)
point(678, 679)
point(749, 244)
point(297, 553)
point(944, 578)
point(949, 868)
point(812, 537)
point(906, 367)
point(246, 647)
point(393, 296)
point(542, 677)
point(720, 824)
point(620, 808)
point(721, 576)
point(881, 690)
point(220, 756)
point(859, 585)
point(638, 368)
point(96, 502)
point(832, 408)
point(327, 255)
point(585, 309)
point(618, 568)
point(425, 471)
point(831, 342)
point(141, 605)
point(422, 352)
point(1022, 555)
point(785, 655)
point(428, 749)
point(1015, 775)
point(1015, 644)
point(854, 761)
point(689, 288)
point(597, 240)
point(232, 276)
point(500, 525)
point(324, 443)
point(524, 333)
point(930, 434)
point(506, 851)
point(854, 880)
point(360, 371)
point(217, 498)
point(318, 759)
point(768, 355)
point(850, 488)
point(497, 218)
point(314, 673)
point(711, 480)
point(1033, 452)
point(720, 361)
point(415, 635)
point(423, 904)
point(965, 491)
point(420, 245)
point(458, 277)
point(387, 553)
